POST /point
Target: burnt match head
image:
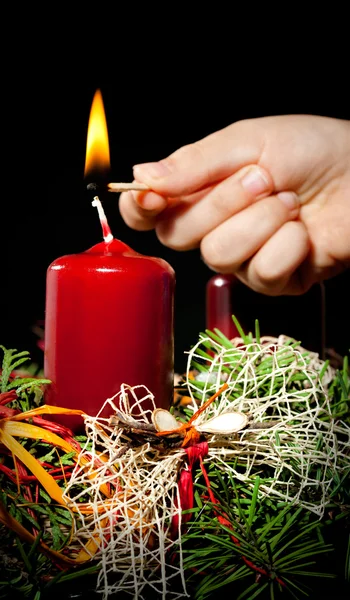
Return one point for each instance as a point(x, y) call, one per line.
point(96, 189)
point(92, 187)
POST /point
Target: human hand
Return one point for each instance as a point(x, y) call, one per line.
point(266, 199)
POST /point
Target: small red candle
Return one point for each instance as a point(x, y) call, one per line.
point(220, 305)
point(108, 321)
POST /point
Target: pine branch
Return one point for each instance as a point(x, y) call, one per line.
point(11, 360)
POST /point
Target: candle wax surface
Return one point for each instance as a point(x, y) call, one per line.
point(109, 321)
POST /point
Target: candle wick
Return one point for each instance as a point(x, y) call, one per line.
point(106, 231)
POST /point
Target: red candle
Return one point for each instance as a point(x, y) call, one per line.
point(109, 320)
point(109, 312)
point(220, 305)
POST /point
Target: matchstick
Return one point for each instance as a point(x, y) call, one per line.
point(124, 187)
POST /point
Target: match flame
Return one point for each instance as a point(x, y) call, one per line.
point(97, 146)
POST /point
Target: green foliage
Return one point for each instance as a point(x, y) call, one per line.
point(265, 548)
point(24, 571)
point(28, 389)
point(28, 574)
point(340, 393)
point(282, 540)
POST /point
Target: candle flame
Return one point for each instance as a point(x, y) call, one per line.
point(97, 147)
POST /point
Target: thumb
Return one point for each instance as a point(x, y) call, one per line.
point(205, 162)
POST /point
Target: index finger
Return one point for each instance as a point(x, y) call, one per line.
point(198, 165)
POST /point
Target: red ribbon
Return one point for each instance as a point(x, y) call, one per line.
point(194, 453)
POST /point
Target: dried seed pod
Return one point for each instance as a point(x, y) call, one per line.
point(163, 420)
point(226, 423)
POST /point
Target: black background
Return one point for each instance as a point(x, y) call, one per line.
point(154, 103)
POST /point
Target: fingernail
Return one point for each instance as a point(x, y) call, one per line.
point(255, 181)
point(290, 199)
point(154, 170)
